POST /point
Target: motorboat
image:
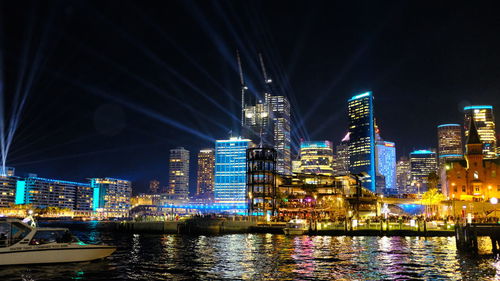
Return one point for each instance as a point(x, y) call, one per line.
point(23, 243)
point(296, 227)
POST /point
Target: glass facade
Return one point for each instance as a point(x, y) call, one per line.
point(230, 170)
point(111, 197)
point(403, 175)
point(485, 123)
point(386, 165)
point(7, 190)
point(316, 157)
point(450, 145)
point(42, 193)
point(205, 179)
point(362, 138)
point(269, 123)
point(341, 158)
point(178, 175)
point(422, 163)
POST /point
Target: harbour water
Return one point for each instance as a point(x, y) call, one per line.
point(265, 257)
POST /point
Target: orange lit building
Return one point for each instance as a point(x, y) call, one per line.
point(474, 178)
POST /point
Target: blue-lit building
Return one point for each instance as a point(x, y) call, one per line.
point(111, 197)
point(42, 193)
point(230, 171)
point(362, 138)
point(385, 156)
point(422, 163)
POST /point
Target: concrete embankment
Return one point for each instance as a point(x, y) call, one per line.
point(190, 226)
point(223, 226)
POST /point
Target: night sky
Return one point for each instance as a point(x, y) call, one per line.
point(111, 86)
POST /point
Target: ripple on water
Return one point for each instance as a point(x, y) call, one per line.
point(266, 257)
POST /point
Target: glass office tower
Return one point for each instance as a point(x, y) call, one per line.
point(422, 163)
point(230, 170)
point(178, 175)
point(386, 165)
point(205, 179)
point(485, 123)
point(362, 138)
point(449, 142)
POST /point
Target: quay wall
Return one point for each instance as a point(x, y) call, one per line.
point(221, 226)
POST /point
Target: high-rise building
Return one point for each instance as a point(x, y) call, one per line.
point(449, 142)
point(7, 190)
point(178, 179)
point(403, 175)
point(362, 138)
point(205, 179)
point(485, 123)
point(258, 124)
point(230, 170)
point(154, 186)
point(296, 166)
point(316, 157)
point(422, 164)
point(43, 193)
point(280, 108)
point(341, 157)
point(267, 122)
point(385, 159)
point(111, 197)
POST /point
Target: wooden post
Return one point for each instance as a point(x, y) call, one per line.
point(474, 240)
point(494, 247)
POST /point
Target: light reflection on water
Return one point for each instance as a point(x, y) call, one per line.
point(266, 257)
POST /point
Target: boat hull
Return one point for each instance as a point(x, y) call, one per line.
point(59, 255)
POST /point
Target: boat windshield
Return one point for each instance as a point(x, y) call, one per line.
point(12, 232)
point(4, 234)
point(52, 236)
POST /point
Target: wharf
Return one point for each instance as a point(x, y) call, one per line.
point(228, 225)
point(466, 236)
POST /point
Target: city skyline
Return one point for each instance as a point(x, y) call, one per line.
point(106, 126)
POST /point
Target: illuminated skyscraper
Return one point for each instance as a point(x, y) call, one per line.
point(403, 175)
point(316, 157)
point(422, 163)
point(111, 197)
point(154, 186)
point(362, 138)
point(296, 166)
point(485, 123)
point(267, 121)
point(280, 108)
point(230, 170)
point(449, 143)
point(385, 159)
point(205, 179)
point(341, 157)
point(268, 124)
point(178, 180)
point(258, 124)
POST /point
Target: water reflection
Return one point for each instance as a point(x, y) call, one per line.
point(267, 257)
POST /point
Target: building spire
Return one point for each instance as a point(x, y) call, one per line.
point(473, 137)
